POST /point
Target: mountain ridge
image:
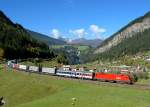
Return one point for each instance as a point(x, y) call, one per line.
point(46, 39)
point(138, 25)
point(82, 41)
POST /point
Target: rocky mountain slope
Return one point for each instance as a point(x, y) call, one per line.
point(139, 25)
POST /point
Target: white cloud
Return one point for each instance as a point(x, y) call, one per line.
point(55, 33)
point(70, 40)
point(96, 30)
point(80, 33)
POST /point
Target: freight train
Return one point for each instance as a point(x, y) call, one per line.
point(99, 76)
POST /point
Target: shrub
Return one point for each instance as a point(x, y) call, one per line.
point(1, 53)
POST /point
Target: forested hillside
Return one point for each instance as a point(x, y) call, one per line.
point(15, 42)
point(46, 39)
point(129, 40)
point(139, 42)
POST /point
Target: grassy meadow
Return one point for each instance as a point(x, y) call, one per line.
point(78, 47)
point(22, 89)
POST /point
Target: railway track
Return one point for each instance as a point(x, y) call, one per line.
point(100, 83)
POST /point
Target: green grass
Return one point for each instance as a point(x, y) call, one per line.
point(57, 46)
point(147, 53)
point(81, 47)
point(32, 90)
point(1, 66)
point(144, 81)
point(18, 88)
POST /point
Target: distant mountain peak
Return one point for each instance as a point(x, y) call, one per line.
point(84, 41)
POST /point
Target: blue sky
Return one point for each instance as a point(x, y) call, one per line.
point(74, 18)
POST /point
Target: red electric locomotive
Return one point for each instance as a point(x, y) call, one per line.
point(122, 78)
